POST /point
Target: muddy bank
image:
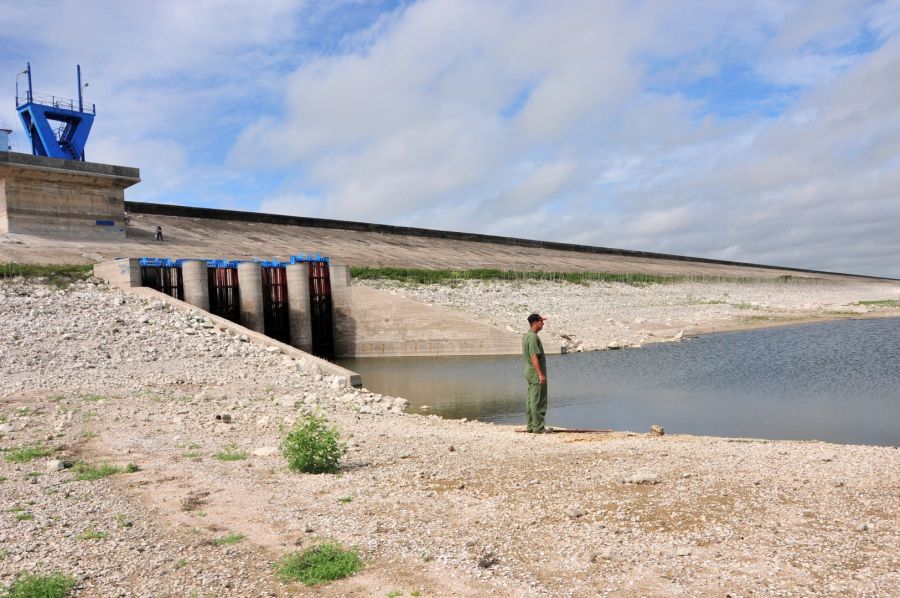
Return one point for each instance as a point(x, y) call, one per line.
point(435, 507)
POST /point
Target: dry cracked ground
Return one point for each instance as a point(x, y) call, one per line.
point(91, 376)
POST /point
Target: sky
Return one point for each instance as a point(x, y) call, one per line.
point(764, 132)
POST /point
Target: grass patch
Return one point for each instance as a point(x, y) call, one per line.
point(313, 446)
point(85, 471)
point(318, 565)
point(24, 517)
point(231, 453)
point(181, 564)
point(34, 585)
point(228, 540)
point(191, 454)
point(345, 499)
point(3, 478)
point(92, 534)
point(420, 276)
point(881, 303)
point(25, 454)
point(94, 398)
point(744, 306)
point(131, 468)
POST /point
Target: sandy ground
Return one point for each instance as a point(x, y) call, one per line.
point(435, 507)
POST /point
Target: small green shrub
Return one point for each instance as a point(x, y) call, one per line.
point(231, 453)
point(132, 468)
point(85, 471)
point(313, 446)
point(24, 517)
point(233, 538)
point(93, 534)
point(318, 565)
point(33, 585)
point(26, 453)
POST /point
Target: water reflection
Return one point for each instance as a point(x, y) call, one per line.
point(837, 381)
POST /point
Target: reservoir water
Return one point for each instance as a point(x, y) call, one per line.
point(835, 381)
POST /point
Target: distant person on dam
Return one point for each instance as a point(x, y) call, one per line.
point(159, 233)
point(536, 375)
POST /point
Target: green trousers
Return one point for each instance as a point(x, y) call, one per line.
point(536, 407)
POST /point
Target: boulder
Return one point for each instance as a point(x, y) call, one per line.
point(54, 465)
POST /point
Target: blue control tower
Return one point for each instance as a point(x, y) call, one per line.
point(58, 127)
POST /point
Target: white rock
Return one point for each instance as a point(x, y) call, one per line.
point(643, 478)
point(54, 465)
point(266, 451)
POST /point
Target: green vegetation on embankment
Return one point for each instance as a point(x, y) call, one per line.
point(409, 275)
point(54, 273)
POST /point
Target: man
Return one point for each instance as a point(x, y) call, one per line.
point(536, 375)
point(159, 233)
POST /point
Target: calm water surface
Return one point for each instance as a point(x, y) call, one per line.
point(838, 381)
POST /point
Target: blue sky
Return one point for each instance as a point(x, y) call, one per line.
point(766, 132)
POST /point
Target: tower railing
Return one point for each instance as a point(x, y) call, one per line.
point(54, 102)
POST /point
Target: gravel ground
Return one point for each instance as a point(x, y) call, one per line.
point(434, 506)
point(599, 315)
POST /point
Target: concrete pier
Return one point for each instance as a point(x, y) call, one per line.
point(250, 279)
point(196, 283)
point(298, 306)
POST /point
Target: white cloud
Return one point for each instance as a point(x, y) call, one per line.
point(581, 121)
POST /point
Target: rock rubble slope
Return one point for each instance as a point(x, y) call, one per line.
point(93, 377)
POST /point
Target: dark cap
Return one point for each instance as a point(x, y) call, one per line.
point(535, 317)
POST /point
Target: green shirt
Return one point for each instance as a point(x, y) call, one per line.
point(531, 345)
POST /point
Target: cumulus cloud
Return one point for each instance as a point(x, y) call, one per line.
point(762, 132)
point(463, 116)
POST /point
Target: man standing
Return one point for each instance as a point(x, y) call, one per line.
point(536, 375)
point(159, 233)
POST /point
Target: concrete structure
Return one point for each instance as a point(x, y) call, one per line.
point(373, 323)
point(63, 198)
point(250, 280)
point(298, 305)
point(123, 273)
point(120, 273)
point(367, 322)
point(196, 283)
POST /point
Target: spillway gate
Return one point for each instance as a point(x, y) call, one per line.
point(272, 300)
